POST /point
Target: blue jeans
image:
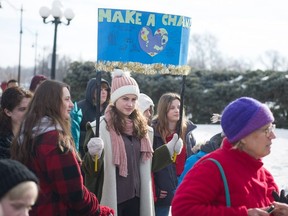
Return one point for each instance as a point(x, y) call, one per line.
point(162, 210)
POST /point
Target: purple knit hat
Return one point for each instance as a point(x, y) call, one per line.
point(243, 116)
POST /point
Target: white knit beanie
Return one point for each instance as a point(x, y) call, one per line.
point(122, 84)
point(144, 102)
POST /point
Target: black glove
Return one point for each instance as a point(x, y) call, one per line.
point(282, 198)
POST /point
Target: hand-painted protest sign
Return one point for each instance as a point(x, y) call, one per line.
point(145, 37)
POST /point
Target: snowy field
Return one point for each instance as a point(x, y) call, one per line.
point(276, 162)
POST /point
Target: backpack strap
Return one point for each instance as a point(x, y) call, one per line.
point(227, 194)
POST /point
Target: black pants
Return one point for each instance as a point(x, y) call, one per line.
point(129, 208)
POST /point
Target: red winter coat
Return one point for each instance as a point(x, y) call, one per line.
point(202, 190)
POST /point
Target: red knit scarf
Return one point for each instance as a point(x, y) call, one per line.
point(118, 146)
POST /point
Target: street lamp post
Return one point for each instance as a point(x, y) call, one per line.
point(20, 46)
point(35, 56)
point(56, 12)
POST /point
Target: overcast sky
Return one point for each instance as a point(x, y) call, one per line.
point(244, 28)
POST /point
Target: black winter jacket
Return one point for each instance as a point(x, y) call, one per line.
point(166, 178)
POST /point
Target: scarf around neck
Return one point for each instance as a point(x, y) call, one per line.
point(44, 125)
point(118, 146)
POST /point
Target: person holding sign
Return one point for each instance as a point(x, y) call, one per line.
point(122, 179)
point(165, 126)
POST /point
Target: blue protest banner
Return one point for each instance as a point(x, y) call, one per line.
point(145, 37)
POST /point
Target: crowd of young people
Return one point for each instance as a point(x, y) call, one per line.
point(132, 167)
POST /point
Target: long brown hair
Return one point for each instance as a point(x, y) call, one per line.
point(47, 102)
point(163, 106)
point(140, 125)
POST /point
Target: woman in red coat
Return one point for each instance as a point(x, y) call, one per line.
point(248, 126)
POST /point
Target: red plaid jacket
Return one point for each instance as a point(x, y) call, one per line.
point(62, 191)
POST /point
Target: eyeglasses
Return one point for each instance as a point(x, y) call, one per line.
point(269, 130)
